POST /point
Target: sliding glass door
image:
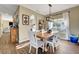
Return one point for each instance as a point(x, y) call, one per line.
point(60, 25)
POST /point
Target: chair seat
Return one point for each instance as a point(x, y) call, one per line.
point(39, 44)
point(50, 40)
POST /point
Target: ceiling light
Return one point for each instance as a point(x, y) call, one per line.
point(48, 18)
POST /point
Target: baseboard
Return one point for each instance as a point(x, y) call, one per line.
point(22, 44)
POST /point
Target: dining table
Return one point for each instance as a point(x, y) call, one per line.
point(44, 35)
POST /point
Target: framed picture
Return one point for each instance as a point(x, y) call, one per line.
point(41, 24)
point(25, 19)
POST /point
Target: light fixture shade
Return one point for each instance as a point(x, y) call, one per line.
point(50, 5)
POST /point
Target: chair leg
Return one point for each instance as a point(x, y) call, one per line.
point(49, 47)
point(43, 49)
point(53, 48)
point(36, 50)
point(30, 49)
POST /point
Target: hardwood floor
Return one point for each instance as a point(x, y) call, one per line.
point(65, 47)
point(6, 47)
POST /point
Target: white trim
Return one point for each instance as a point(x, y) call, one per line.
point(22, 45)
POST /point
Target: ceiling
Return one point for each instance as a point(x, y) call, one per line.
point(8, 8)
point(44, 8)
point(39, 8)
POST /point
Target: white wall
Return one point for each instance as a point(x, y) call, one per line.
point(6, 26)
point(1, 26)
point(23, 29)
point(74, 20)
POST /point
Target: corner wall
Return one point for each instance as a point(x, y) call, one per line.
point(23, 29)
point(74, 20)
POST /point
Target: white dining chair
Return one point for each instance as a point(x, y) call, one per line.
point(53, 41)
point(34, 42)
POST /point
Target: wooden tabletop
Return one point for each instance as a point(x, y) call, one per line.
point(44, 35)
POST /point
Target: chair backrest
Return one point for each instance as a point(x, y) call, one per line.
point(57, 36)
point(51, 38)
point(32, 37)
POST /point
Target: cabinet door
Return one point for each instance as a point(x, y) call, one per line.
point(13, 35)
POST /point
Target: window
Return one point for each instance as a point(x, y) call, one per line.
point(7, 17)
point(50, 25)
point(56, 24)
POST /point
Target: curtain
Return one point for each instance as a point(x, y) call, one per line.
point(66, 18)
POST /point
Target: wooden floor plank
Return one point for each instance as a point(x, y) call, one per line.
point(6, 47)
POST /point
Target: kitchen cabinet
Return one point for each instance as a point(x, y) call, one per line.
point(13, 35)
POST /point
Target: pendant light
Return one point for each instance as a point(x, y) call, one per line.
point(48, 18)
